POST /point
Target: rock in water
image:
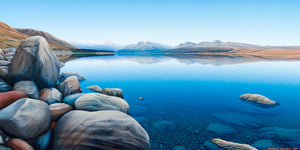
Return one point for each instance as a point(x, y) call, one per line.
point(258, 100)
point(19, 144)
point(113, 92)
point(96, 102)
point(28, 87)
point(35, 61)
point(4, 87)
point(211, 146)
point(265, 144)
point(70, 99)
point(69, 86)
point(288, 136)
point(65, 75)
point(95, 88)
point(26, 118)
point(59, 109)
point(232, 146)
point(239, 119)
point(7, 98)
point(220, 129)
point(50, 95)
point(107, 130)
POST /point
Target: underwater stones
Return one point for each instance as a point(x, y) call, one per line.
point(179, 148)
point(50, 95)
point(96, 102)
point(258, 100)
point(59, 109)
point(19, 144)
point(113, 92)
point(4, 87)
point(289, 136)
point(231, 145)
point(26, 118)
point(136, 110)
point(265, 144)
point(105, 129)
point(220, 129)
point(7, 98)
point(239, 119)
point(70, 99)
point(35, 61)
point(165, 125)
point(95, 88)
point(28, 87)
point(65, 75)
point(69, 86)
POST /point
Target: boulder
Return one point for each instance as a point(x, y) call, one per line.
point(7, 98)
point(239, 119)
point(109, 130)
point(26, 118)
point(69, 86)
point(59, 109)
point(19, 144)
point(232, 146)
point(50, 95)
point(96, 102)
point(95, 88)
point(4, 87)
point(65, 75)
point(4, 63)
point(70, 99)
point(265, 144)
point(113, 92)
point(258, 100)
point(220, 129)
point(290, 137)
point(3, 73)
point(43, 142)
point(35, 61)
point(211, 146)
point(28, 87)
point(165, 125)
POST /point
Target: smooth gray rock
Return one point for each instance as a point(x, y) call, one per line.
point(28, 87)
point(26, 118)
point(113, 92)
point(3, 73)
point(50, 95)
point(258, 100)
point(4, 87)
point(96, 102)
point(290, 137)
point(239, 119)
point(107, 130)
point(95, 88)
point(65, 75)
point(35, 61)
point(43, 142)
point(59, 109)
point(70, 99)
point(165, 125)
point(231, 145)
point(265, 144)
point(69, 86)
point(220, 129)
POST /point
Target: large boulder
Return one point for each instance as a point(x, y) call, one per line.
point(70, 99)
point(95, 88)
point(258, 100)
point(4, 87)
point(231, 145)
point(26, 118)
point(96, 101)
point(113, 92)
point(59, 109)
point(69, 86)
point(28, 87)
point(65, 75)
point(50, 95)
point(7, 98)
point(35, 61)
point(109, 130)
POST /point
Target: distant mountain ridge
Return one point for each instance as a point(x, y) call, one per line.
point(142, 46)
point(218, 43)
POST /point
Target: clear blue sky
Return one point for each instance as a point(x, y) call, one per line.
point(265, 22)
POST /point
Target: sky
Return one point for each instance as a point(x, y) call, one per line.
point(263, 22)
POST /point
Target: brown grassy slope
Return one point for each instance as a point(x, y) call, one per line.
point(9, 37)
point(50, 38)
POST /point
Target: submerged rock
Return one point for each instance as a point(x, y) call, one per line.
point(113, 92)
point(35, 61)
point(211, 146)
point(165, 125)
point(220, 129)
point(59, 109)
point(65, 75)
point(50, 95)
point(4, 87)
point(28, 87)
point(70, 99)
point(7, 98)
point(239, 119)
point(26, 118)
point(265, 144)
point(95, 88)
point(19, 144)
point(96, 102)
point(69, 86)
point(290, 137)
point(258, 100)
point(179, 148)
point(109, 130)
point(232, 146)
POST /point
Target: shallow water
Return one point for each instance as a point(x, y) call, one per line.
point(191, 92)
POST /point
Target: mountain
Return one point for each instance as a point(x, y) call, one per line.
point(113, 47)
point(9, 37)
point(217, 43)
point(50, 38)
point(144, 47)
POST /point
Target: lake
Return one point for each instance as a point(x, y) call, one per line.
point(191, 100)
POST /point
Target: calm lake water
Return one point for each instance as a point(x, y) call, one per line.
point(191, 94)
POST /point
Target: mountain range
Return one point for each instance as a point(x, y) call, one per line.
point(144, 47)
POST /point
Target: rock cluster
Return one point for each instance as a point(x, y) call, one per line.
point(42, 114)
